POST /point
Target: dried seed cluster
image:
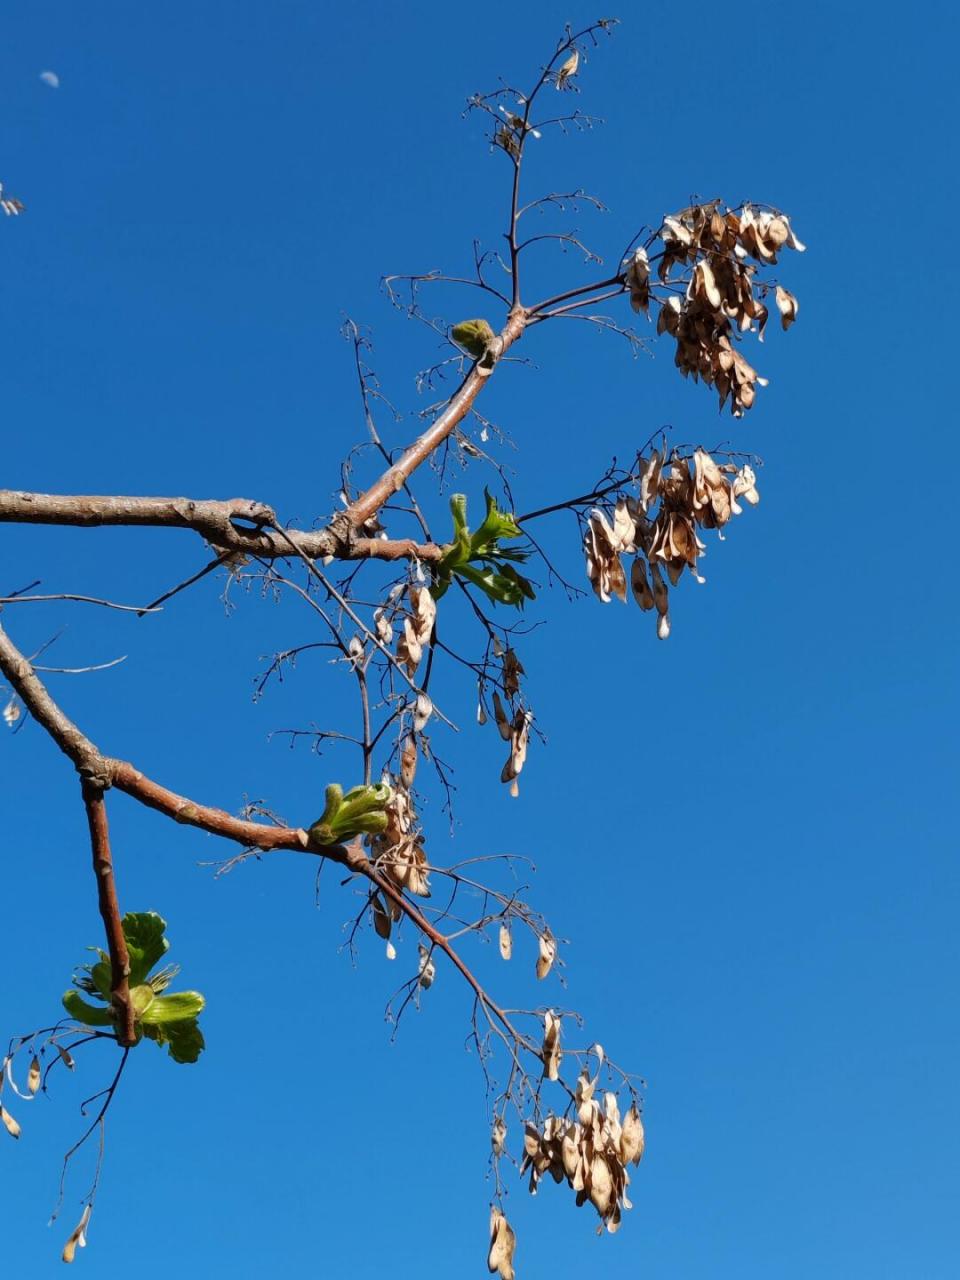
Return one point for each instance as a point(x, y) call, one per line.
point(77, 1238)
point(514, 729)
point(398, 849)
point(720, 300)
point(9, 1122)
point(513, 722)
point(417, 628)
point(591, 1153)
point(677, 496)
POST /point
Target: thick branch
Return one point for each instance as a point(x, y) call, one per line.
point(110, 914)
point(125, 777)
point(214, 520)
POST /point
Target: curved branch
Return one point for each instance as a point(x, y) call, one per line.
point(99, 772)
point(565, 238)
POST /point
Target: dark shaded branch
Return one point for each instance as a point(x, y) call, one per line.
point(577, 306)
point(574, 293)
point(66, 596)
point(209, 567)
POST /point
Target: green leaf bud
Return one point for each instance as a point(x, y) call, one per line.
point(473, 335)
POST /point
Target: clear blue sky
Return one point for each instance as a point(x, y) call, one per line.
point(762, 909)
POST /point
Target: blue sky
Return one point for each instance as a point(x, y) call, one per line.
point(762, 905)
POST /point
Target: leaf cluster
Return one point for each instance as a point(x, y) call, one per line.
point(478, 557)
point(169, 1020)
point(362, 811)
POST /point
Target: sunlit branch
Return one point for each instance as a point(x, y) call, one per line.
point(236, 525)
point(110, 912)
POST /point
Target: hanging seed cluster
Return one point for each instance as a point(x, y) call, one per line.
point(514, 729)
point(77, 1238)
point(417, 628)
point(723, 298)
point(678, 496)
point(590, 1153)
point(513, 721)
point(398, 849)
point(9, 1122)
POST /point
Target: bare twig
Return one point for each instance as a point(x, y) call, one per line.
point(107, 604)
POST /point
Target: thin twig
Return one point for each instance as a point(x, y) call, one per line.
point(107, 604)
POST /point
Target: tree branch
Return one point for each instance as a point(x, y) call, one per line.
point(140, 610)
point(34, 696)
point(99, 772)
point(110, 913)
point(575, 293)
point(457, 408)
point(214, 520)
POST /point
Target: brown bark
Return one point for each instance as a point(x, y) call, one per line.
point(110, 914)
point(215, 520)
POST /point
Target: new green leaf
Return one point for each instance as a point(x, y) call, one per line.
point(169, 1020)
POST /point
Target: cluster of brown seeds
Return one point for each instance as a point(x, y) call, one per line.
point(417, 627)
point(513, 722)
point(398, 849)
point(514, 729)
point(638, 280)
point(720, 301)
point(677, 496)
point(591, 1153)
